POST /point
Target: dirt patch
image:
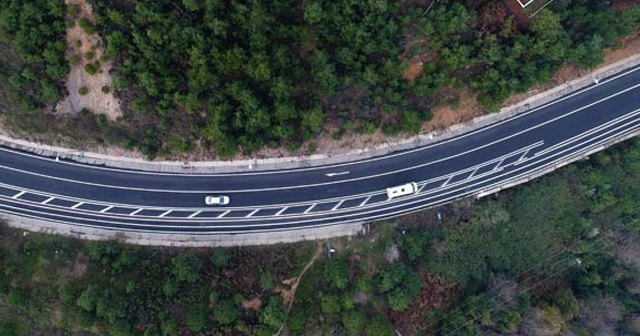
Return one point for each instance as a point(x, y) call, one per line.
point(414, 70)
point(254, 304)
point(79, 267)
point(464, 108)
point(92, 92)
point(392, 254)
point(436, 293)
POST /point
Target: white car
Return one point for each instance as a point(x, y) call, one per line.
point(216, 200)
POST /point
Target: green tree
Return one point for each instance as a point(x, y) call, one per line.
point(273, 313)
point(225, 312)
point(379, 326)
point(186, 267)
point(354, 321)
point(196, 317)
point(220, 257)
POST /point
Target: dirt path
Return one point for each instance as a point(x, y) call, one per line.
point(93, 92)
point(291, 294)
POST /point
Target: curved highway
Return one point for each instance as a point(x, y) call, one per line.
point(473, 163)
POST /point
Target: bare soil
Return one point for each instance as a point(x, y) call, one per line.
point(80, 44)
point(254, 304)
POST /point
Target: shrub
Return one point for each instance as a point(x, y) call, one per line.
point(87, 26)
point(220, 257)
point(196, 318)
point(225, 312)
point(92, 68)
point(83, 90)
point(74, 59)
point(312, 147)
point(89, 55)
point(105, 89)
point(101, 119)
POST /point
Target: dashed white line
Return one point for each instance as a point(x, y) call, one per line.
point(18, 194)
point(106, 209)
point(135, 212)
point(252, 213)
point(522, 156)
point(447, 181)
point(223, 214)
point(420, 188)
point(194, 214)
point(77, 205)
point(281, 211)
point(309, 208)
point(337, 205)
point(473, 173)
point(48, 200)
point(165, 213)
point(365, 201)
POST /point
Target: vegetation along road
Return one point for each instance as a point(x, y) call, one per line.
point(477, 162)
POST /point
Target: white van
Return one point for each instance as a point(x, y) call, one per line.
point(402, 190)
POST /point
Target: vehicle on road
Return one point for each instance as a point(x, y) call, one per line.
point(216, 200)
point(402, 190)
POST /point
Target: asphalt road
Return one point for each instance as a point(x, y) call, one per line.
point(469, 164)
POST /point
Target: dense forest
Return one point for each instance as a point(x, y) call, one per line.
point(559, 256)
point(229, 75)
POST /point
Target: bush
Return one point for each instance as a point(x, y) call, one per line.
point(273, 313)
point(83, 90)
point(92, 68)
point(86, 25)
point(196, 318)
point(89, 55)
point(186, 267)
point(16, 298)
point(354, 321)
point(74, 60)
point(105, 89)
point(220, 257)
point(225, 312)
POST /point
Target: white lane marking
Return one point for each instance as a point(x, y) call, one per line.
point(337, 205)
point(521, 157)
point(223, 214)
point(337, 174)
point(18, 194)
point(165, 213)
point(499, 163)
point(588, 132)
point(48, 200)
point(546, 122)
point(365, 201)
point(473, 173)
point(106, 209)
point(281, 211)
point(135, 212)
point(610, 131)
point(447, 181)
point(194, 214)
point(252, 213)
point(378, 158)
point(323, 200)
point(77, 205)
point(307, 221)
point(421, 187)
point(309, 208)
